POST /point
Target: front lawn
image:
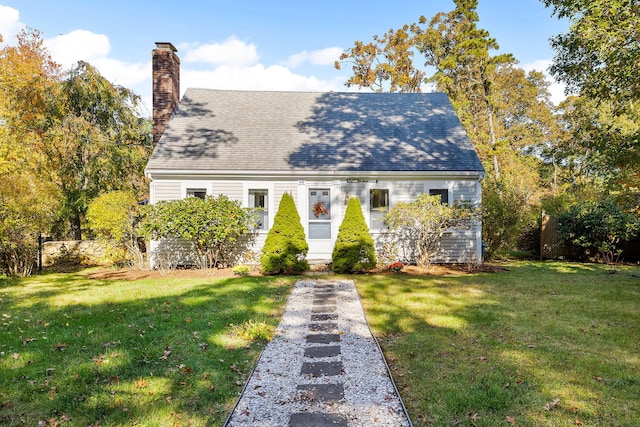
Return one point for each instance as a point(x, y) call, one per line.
point(153, 352)
point(544, 344)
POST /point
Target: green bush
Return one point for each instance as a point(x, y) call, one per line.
point(219, 228)
point(285, 249)
point(597, 228)
point(354, 249)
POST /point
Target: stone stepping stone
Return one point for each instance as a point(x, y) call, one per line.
point(323, 309)
point(324, 294)
point(321, 392)
point(322, 317)
point(319, 369)
point(322, 327)
point(310, 419)
point(327, 301)
point(323, 351)
point(322, 338)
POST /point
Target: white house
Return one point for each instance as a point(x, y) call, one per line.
point(321, 147)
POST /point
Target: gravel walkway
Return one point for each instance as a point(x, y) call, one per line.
point(323, 368)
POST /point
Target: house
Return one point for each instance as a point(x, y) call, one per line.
point(323, 148)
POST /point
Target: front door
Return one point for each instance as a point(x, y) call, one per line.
point(319, 223)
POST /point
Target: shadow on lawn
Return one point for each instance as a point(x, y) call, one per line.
point(162, 360)
point(474, 349)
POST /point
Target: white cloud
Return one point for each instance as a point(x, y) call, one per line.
point(123, 73)
point(256, 77)
point(230, 52)
point(555, 88)
point(9, 23)
point(325, 56)
point(78, 45)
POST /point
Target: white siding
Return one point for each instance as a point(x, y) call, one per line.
point(459, 246)
point(166, 190)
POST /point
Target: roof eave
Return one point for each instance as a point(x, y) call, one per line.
point(334, 174)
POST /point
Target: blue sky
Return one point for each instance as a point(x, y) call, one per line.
point(251, 44)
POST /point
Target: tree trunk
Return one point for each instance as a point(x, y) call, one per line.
point(75, 229)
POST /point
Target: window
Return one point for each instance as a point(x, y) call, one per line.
point(443, 193)
point(319, 214)
point(200, 193)
point(258, 199)
point(378, 205)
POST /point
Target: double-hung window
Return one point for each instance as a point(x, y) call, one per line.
point(259, 201)
point(378, 206)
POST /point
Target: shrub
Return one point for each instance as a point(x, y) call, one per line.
point(354, 249)
point(241, 270)
point(597, 228)
point(286, 247)
point(422, 223)
point(113, 217)
point(215, 225)
point(27, 207)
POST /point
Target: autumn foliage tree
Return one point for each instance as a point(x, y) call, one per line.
point(75, 130)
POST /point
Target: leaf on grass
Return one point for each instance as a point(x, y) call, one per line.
point(473, 417)
point(234, 368)
point(578, 422)
point(141, 383)
point(552, 405)
point(60, 346)
point(15, 356)
point(27, 341)
point(510, 420)
point(483, 358)
point(166, 354)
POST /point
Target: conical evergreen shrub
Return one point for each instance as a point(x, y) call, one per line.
point(285, 249)
point(354, 250)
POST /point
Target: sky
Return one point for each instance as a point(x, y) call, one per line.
point(254, 44)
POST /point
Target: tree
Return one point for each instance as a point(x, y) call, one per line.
point(76, 130)
point(598, 60)
point(422, 223)
point(28, 79)
point(386, 64)
point(285, 248)
point(97, 143)
point(354, 249)
point(598, 57)
point(114, 217)
point(597, 228)
point(28, 200)
point(215, 225)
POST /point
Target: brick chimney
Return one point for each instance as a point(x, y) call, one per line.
point(166, 86)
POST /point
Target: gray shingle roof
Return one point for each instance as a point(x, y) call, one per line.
point(301, 131)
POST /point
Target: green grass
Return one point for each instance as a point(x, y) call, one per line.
point(79, 351)
point(464, 350)
point(476, 349)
